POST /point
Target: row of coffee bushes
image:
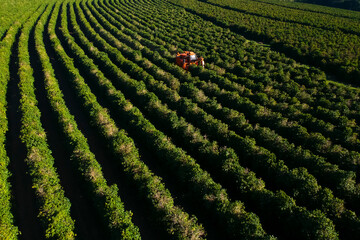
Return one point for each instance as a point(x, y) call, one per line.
point(133, 69)
point(105, 197)
point(7, 228)
point(54, 207)
point(144, 76)
point(177, 222)
point(184, 167)
point(168, 66)
point(287, 91)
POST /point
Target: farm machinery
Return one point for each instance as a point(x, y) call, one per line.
point(188, 58)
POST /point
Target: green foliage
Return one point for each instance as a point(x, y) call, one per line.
point(320, 39)
point(178, 223)
point(186, 169)
point(54, 207)
point(105, 197)
point(273, 134)
point(7, 228)
point(13, 12)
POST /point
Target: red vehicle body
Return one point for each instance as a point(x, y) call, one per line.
point(188, 58)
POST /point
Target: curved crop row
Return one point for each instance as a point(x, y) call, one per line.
point(178, 223)
point(106, 197)
point(329, 52)
point(235, 176)
point(312, 138)
point(336, 153)
point(136, 70)
point(175, 98)
point(193, 176)
point(8, 230)
point(14, 12)
point(54, 209)
point(315, 8)
point(228, 48)
point(319, 20)
point(182, 111)
point(254, 145)
point(343, 134)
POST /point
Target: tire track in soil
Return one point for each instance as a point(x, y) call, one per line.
point(24, 207)
point(113, 175)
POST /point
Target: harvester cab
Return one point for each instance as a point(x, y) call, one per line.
point(188, 58)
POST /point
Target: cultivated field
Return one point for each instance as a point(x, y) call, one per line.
point(104, 137)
